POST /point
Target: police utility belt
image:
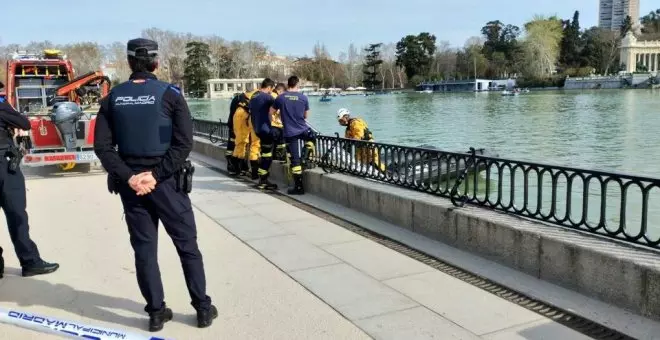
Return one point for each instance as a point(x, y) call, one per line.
point(8, 149)
point(183, 178)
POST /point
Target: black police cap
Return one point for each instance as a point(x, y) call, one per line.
point(141, 47)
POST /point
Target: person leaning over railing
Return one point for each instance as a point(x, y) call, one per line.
point(356, 128)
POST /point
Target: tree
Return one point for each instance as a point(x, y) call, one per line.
point(370, 67)
point(601, 49)
point(626, 26)
point(196, 67)
point(415, 54)
point(471, 61)
point(86, 57)
point(353, 61)
point(220, 56)
point(542, 46)
point(571, 44)
point(651, 23)
point(444, 61)
point(499, 47)
point(116, 54)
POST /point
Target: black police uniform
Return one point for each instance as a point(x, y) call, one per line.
point(149, 122)
point(13, 200)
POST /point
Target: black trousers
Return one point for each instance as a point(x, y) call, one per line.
point(267, 140)
point(174, 209)
point(293, 145)
point(13, 203)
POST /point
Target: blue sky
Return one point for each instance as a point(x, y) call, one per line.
point(289, 27)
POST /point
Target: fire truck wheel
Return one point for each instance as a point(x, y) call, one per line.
point(67, 166)
point(85, 167)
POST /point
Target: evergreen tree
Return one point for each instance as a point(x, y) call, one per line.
point(370, 68)
point(571, 43)
point(196, 68)
point(415, 54)
point(626, 26)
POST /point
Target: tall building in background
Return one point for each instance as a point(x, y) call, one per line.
point(611, 13)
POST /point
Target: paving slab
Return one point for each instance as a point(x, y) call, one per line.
point(537, 330)
point(280, 212)
point(292, 253)
point(252, 227)
point(416, 323)
point(76, 222)
point(351, 292)
point(370, 257)
point(462, 303)
point(320, 232)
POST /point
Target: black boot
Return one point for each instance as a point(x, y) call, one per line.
point(254, 169)
point(2, 264)
point(265, 184)
point(205, 317)
point(232, 166)
point(158, 319)
point(39, 268)
point(297, 186)
point(243, 165)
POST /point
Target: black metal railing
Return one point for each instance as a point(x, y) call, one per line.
point(214, 131)
point(610, 204)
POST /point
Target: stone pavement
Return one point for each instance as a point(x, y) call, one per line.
point(274, 271)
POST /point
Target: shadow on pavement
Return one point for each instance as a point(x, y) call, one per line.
point(28, 291)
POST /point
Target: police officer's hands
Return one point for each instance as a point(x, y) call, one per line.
point(142, 183)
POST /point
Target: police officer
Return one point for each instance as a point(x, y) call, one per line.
point(150, 124)
point(13, 200)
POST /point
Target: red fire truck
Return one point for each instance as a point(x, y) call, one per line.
point(35, 84)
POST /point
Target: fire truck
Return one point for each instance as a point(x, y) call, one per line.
point(35, 84)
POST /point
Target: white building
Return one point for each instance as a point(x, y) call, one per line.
point(226, 88)
point(636, 52)
point(278, 64)
point(611, 13)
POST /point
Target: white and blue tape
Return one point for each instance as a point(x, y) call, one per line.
point(66, 328)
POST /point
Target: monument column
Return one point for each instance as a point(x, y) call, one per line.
point(653, 62)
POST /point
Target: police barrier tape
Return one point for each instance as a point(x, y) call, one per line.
point(65, 328)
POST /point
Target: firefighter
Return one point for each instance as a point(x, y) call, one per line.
point(261, 120)
point(13, 200)
point(247, 145)
point(294, 110)
point(278, 134)
point(233, 167)
point(356, 128)
point(149, 122)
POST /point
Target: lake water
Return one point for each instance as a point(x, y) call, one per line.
point(609, 130)
point(614, 130)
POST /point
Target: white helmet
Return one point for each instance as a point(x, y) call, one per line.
point(342, 112)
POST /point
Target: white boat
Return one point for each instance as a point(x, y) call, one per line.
point(506, 93)
point(425, 91)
